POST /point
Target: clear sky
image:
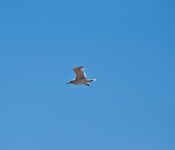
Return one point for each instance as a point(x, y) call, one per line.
point(127, 45)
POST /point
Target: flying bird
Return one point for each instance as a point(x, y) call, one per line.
point(80, 77)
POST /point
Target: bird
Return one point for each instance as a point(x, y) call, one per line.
point(80, 78)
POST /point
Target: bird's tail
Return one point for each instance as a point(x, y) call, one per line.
point(92, 80)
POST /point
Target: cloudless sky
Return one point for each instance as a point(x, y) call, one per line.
point(127, 45)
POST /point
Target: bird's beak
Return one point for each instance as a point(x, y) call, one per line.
point(67, 83)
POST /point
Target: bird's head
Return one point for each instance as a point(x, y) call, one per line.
point(70, 82)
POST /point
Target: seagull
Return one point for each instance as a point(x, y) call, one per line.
point(80, 77)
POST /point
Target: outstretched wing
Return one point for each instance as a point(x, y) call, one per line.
point(80, 74)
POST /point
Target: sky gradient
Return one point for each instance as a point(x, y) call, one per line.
point(128, 46)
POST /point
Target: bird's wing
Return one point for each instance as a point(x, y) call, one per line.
point(80, 74)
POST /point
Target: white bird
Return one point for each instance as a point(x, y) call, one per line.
point(80, 77)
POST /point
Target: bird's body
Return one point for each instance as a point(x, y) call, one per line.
point(80, 77)
point(81, 81)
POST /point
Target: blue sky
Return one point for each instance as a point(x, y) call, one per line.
point(129, 46)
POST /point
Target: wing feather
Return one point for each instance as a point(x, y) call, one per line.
point(80, 74)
